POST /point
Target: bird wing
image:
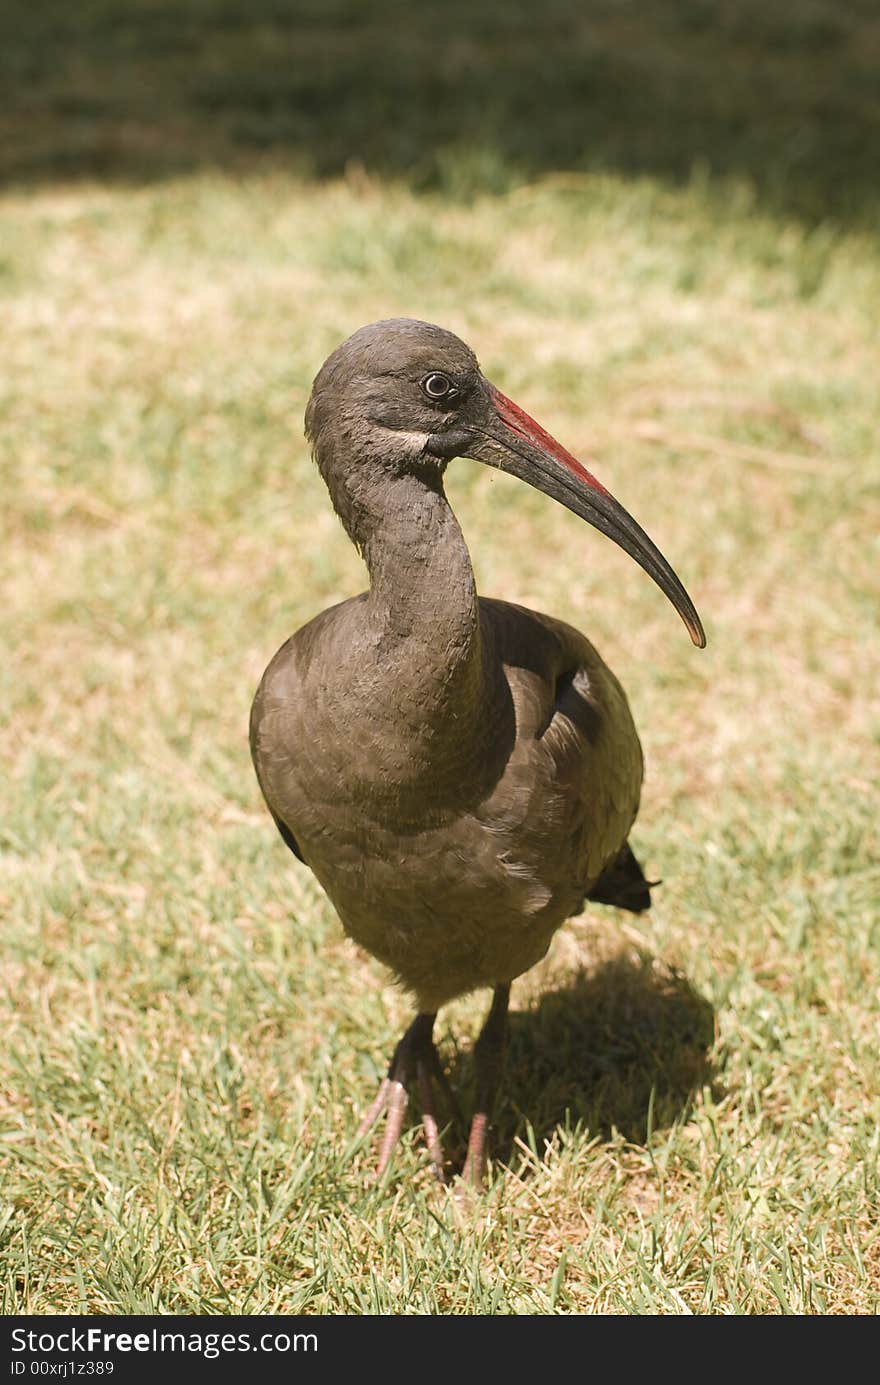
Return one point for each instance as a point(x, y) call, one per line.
point(275, 729)
point(288, 838)
point(575, 772)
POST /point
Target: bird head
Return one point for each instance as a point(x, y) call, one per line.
point(402, 397)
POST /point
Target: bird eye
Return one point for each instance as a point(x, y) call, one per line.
point(437, 386)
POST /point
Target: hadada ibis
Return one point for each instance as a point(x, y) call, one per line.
point(460, 773)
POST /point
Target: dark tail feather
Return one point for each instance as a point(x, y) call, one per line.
point(623, 884)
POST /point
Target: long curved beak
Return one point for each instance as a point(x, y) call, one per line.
point(516, 443)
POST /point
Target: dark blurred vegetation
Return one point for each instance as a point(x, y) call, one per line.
point(461, 96)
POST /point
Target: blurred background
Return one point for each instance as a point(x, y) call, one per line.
point(463, 99)
point(656, 223)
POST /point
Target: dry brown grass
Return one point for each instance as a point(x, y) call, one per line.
point(689, 1119)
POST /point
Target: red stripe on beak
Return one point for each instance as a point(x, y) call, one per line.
point(521, 423)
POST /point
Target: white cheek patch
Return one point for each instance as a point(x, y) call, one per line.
point(417, 441)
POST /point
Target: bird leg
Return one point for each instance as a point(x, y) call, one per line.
point(415, 1062)
point(488, 1063)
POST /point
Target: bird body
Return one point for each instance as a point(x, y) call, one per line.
point(458, 772)
point(459, 826)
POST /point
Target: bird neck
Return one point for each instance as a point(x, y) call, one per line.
point(421, 695)
point(423, 598)
point(449, 723)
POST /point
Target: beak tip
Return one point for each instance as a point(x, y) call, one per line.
point(568, 482)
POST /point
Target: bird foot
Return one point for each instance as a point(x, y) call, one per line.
point(488, 1062)
point(474, 1171)
point(415, 1069)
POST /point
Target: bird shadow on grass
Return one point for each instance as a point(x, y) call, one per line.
point(626, 1038)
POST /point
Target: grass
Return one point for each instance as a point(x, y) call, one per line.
point(689, 1118)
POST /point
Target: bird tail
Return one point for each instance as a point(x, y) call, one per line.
point(623, 884)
